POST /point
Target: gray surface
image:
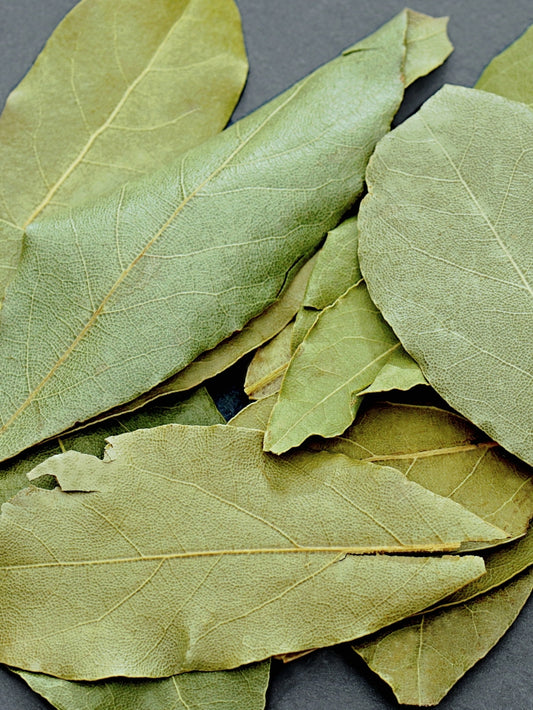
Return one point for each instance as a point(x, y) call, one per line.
point(286, 39)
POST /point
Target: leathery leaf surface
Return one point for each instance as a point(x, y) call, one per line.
point(443, 452)
point(424, 657)
point(120, 88)
point(170, 265)
point(226, 353)
point(243, 688)
point(445, 248)
point(224, 556)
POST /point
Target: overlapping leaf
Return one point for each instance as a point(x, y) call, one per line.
point(445, 247)
point(170, 265)
point(343, 353)
point(119, 89)
point(425, 656)
point(197, 409)
point(335, 271)
point(248, 555)
point(227, 353)
point(438, 449)
point(243, 688)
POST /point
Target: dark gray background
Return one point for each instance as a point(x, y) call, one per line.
point(286, 39)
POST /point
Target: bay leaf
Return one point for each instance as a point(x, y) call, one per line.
point(425, 656)
point(228, 556)
point(198, 408)
point(437, 449)
point(267, 367)
point(400, 372)
point(244, 688)
point(342, 354)
point(510, 74)
point(446, 252)
point(228, 352)
point(446, 454)
point(335, 271)
point(119, 89)
point(172, 264)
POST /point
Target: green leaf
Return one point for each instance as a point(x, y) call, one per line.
point(425, 656)
point(341, 355)
point(443, 452)
point(198, 408)
point(335, 271)
point(445, 248)
point(510, 74)
point(243, 688)
point(172, 264)
point(277, 560)
point(119, 89)
point(267, 367)
point(256, 414)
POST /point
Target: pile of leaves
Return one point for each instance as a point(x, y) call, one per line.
point(379, 490)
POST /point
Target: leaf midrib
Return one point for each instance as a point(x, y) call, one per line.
point(348, 550)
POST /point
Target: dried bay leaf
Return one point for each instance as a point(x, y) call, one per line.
point(172, 264)
point(198, 409)
point(119, 89)
point(341, 356)
point(267, 367)
point(243, 688)
point(443, 452)
point(438, 449)
point(256, 414)
point(400, 372)
point(510, 74)
point(424, 657)
point(278, 538)
point(446, 251)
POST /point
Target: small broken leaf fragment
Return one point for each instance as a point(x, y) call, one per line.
point(161, 252)
point(243, 688)
point(424, 657)
point(445, 249)
point(119, 89)
point(510, 74)
point(275, 534)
